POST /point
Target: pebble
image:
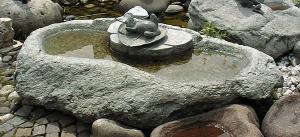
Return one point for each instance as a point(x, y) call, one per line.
point(6, 90)
point(3, 99)
point(89, 6)
point(13, 95)
point(52, 128)
point(6, 117)
point(6, 58)
point(5, 104)
point(174, 9)
point(52, 135)
point(39, 130)
point(4, 110)
point(23, 132)
point(288, 92)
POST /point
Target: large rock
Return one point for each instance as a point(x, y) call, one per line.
point(234, 120)
point(31, 16)
point(95, 88)
point(110, 128)
point(150, 6)
point(6, 32)
point(270, 32)
point(283, 118)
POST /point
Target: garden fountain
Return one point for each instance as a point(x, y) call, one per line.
point(74, 67)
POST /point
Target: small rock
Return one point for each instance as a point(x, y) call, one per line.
point(109, 128)
point(6, 58)
point(11, 133)
point(14, 103)
point(12, 53)
point(89, 6)
point(24, 111)
point(6, 90)
point(23, 132)
point(5, 104)
point(16, 121)
point(4, 110)
point(5, 118)
point(70, 17)
point(13, 95)
point(174, 9)
point(39, 130)
point(288, 92)
point(283, 118)
point(6, 127)
point(41, 121)
point(7, 32)
point(3, 99)
point(26, 124)
point(52, 128)
point(53, 135)
point(65, 134)
point(9, 72)
point(14, 64)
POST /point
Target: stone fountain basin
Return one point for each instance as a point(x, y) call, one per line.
point(96, 88)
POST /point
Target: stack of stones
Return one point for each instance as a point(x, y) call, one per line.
point(291, 74)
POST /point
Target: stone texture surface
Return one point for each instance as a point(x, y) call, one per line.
point(117, 91)
point(6, 32)
point(283, 118)
point(31, 16)
point(237, 120)
point(270, 32)
point(110, 128)
point(150, 6)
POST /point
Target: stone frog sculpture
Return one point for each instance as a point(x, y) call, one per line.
point(149, 28)
point(252, 4)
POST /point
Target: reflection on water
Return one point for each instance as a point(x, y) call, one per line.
point(197, 66)
point(108, 9)
point(209, 129)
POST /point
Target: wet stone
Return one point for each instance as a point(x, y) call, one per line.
point(41, 121)
point(39, 130)
point(24, 111)
point(52, 135)
point(52, 128)
point(10, 133)
point(26, 124)
point(6, 58)
point(23, 132)
point(65, 134)
point(17, 121)
point(6, 127)
point(4, 110)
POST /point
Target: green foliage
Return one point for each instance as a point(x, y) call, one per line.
point(296, 1)
point(210, 29)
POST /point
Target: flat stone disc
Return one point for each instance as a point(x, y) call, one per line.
point(135, 40)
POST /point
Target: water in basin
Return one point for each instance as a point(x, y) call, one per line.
point(207, 130)
point(195, 65)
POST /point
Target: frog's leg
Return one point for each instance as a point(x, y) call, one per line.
point(150, 34)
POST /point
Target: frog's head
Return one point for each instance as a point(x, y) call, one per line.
point(130, 22)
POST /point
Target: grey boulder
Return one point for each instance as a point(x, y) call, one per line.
point(31, 16)
point(274, 32)
point(96, 88)
point(150, 6)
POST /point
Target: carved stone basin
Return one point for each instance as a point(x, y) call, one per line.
point(69, 67)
